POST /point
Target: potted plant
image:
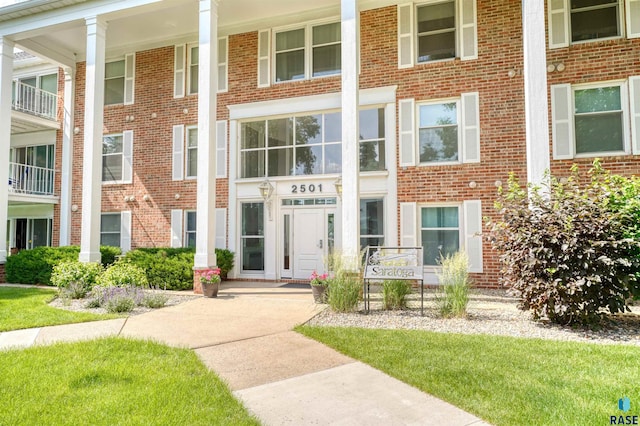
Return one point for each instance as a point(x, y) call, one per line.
point(210, 282)
point(319, 284)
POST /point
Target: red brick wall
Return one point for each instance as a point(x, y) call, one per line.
point(3, 275)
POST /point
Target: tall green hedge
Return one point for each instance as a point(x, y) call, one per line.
point(35, 266)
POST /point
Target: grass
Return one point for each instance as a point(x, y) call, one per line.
point(27, 308)
point(503, 380)
point(113, 381)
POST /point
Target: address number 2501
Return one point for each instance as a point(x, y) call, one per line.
point(302, 188)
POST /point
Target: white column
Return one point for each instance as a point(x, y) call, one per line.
point(67, 158)
point(535, 90)
point(92, 157)
point(350, 126)
point(207, 113)
point(6, 73)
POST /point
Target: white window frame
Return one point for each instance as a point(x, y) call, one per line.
point(457, 101)
point(456, 30)
point(620, 23)
point(113, 181)
point(127, 158)
point(123, 77)
point(419, 228)
point(119, 215)
point(186, 232)
point(308, 48)
point(223, 64)
point(624, 101)
point(190, 47)
point(188, 151)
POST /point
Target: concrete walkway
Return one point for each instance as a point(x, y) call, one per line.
point(282, 377)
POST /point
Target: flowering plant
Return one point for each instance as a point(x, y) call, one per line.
point(318, 280)
point(210, 276)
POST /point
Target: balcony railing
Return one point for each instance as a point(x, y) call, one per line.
point(30, 180)
point(34, 101)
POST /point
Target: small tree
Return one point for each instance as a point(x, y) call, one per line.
point(565, 248)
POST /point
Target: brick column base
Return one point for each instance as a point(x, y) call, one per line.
point(3, 275)
point(197, 287)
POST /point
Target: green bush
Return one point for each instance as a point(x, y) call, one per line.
point(154, 299)
point(83, 274)
point(394, 294)
point(565, 249)
point(74, 290)
point(35, 266)
point(225, 260)
point(453, 295)
point(122, 274)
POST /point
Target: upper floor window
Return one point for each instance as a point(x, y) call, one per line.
point(372, 140)
point(192, 152)
point(117, 157)
point(598, 120)
point(438, 134)
point(436, 25)
point(119, 81)
point(186, 68)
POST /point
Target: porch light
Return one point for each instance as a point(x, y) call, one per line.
point(266, 191)
point(338, 185)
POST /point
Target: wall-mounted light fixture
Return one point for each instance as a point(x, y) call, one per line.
point(146, 197)
point(76, 130)
point(177, 196)
point(473, 184)
point(266, 192)
point(338, 185)
point(74, 208)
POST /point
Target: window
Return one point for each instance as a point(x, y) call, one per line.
point(594, 19)
point(298, 58)
point(190, 229)
point(598, 120)
point(193, 58)
point(112, 158)
point(187, 60)
point(372, 146)
point(438, 133)
point(436, 25)
point(114, 82)
point(192, 152)
point(371, 222)
point(440, 233)
point(252, 236)
point(110, 226)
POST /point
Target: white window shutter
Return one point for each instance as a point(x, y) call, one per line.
point(221, 228)
point(468, 30)
point(264, 58)
point(176, 228)
point(472, 234)
point(634, 96)
point(558, 23)
point(408, 222)
point(470, 127)
point(129, 78)
point(179, 75)
point(633, 18)
point(223, 64)
point(178, 152)
point(221, 149)
point(407, 137)
point(562, 121)
point(405, 35)
point(125, 231)
point(127, 156)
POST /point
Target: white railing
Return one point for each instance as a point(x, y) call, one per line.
point(34, 101)
point(30, 180)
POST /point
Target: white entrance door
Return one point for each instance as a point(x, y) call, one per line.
point(309, 242)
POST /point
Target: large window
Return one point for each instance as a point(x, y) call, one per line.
point(371, 222)
point(438, 133)
point(598, 120)
point(372, 133)
point(114, 82)
point(440, 233)
point(594, 19)
point(110, 226)
point(112, 158)
point(252, 236)
point(298, 57)
point(436, 24)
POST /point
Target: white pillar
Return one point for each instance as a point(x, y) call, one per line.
point(535, 90)
point(350, 126)
point(92, 156)
point(6, 73)
point(207, 113)
point(67, 158)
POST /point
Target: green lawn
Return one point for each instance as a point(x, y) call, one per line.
point(503, 380)
point(113, 381)
point(27, 308)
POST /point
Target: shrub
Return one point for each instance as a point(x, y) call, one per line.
point(35, 266)
point(344, 286)
point(78, 274)
point(117, 299)
point(454, 285)
point(154, 299)
point(565, 249)
point(225, 260)
point(122, 274)
point(74, 290)
point(394, 294)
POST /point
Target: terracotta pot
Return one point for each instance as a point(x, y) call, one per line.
point(210, 290)
point(319, 293)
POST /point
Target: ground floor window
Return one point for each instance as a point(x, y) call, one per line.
point(440, 232)
point(29, 233)
point(190, 229)
point(371, 222)
point(252, 236)
point(110, 226)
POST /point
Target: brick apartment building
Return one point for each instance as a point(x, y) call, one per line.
point(284, 130)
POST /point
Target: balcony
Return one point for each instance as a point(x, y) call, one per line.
point(30, 180)
point(34, 101)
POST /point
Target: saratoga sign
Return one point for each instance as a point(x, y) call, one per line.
point(403, 263)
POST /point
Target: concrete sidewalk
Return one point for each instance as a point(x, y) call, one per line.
point(282, 377)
